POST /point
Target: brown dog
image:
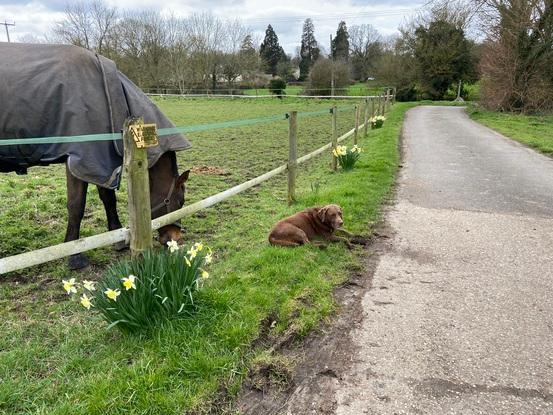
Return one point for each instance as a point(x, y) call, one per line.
point(308, 224)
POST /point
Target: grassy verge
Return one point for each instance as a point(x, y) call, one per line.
point(534, 131)
point(57, 359)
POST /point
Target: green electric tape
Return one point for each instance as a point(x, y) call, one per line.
point(160, 132)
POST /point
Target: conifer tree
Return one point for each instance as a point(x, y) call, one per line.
point(309, 51)
point(270, 51)
point(340, 44)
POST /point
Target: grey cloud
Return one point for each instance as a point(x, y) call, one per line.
point(51, 5)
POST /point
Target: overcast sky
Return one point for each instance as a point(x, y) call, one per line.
point(286, 16)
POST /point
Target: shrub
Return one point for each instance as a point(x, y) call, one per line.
point(277, 86)
point(407, 93)
point(321, 75)
point(138, 294)
point(347, 157)
point(377, 121)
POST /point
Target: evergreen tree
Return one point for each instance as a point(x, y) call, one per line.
point(340, 44)
point(443, 57)
point(309, 51)
point(270, 51)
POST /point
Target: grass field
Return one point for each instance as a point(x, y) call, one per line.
point(357, 89)
point(534, 131)
point(57, 359)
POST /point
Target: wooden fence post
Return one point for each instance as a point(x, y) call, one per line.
point(356, 131)
point(136, 169)
point(334, 111)
point(372, 107)
point(365, 126)
point(292, 155)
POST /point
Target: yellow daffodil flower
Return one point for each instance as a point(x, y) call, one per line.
point(89, 285)
point(85, 301)
point(205, 274)
point(198, 246)
point(128, 282)
point(173, 246)
point(208, 258)
point(69, 286)
point(192, 252)
point(112, 294)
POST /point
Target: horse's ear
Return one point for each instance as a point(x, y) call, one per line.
point(183, 178)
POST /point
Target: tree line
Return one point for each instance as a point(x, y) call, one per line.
point(202, 51)
point(513, 61)
point(431, 58)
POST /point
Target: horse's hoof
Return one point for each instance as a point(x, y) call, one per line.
point(77, 262)
point(120, 246)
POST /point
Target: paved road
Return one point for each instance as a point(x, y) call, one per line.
point(460, 316)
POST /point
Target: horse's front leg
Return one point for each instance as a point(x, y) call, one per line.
point(107, 196)
point(76, 201)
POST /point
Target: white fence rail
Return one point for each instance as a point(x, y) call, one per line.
point(265, 96)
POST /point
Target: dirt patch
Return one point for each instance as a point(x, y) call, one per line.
point(216, 171)
point(324, 355)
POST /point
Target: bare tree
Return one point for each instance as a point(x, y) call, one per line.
point(178, 52)
point(143, 43)
point(233, 62)
point(88, 24)
point(206, 34)
point(365, 49)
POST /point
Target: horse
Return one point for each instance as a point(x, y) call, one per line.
point(62, 90)
point(167, 190)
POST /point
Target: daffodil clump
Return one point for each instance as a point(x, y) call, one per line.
point(377, 121)
point(137, 294)
point(347, 157)
point(87, 289)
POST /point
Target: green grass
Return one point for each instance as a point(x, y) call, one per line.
point(56, 358)
point(534, 131)
point(473, 91)
point(290, 90)
point(357, 89)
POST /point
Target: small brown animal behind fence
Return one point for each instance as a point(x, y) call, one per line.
point(141, 239)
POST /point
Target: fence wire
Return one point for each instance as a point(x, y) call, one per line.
point(160, 132)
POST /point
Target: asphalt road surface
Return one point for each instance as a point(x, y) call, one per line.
point(459, 319)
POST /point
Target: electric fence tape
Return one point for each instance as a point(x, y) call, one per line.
point(160, 132)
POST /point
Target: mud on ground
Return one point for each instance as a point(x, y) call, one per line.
point(322, 357)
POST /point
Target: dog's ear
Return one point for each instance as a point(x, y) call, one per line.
point(321, 213)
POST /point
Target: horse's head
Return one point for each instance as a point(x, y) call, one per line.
point(167, 191)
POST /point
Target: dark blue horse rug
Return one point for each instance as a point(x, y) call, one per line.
point(61, 90)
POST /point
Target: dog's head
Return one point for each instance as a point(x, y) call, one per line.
point(331, 215)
